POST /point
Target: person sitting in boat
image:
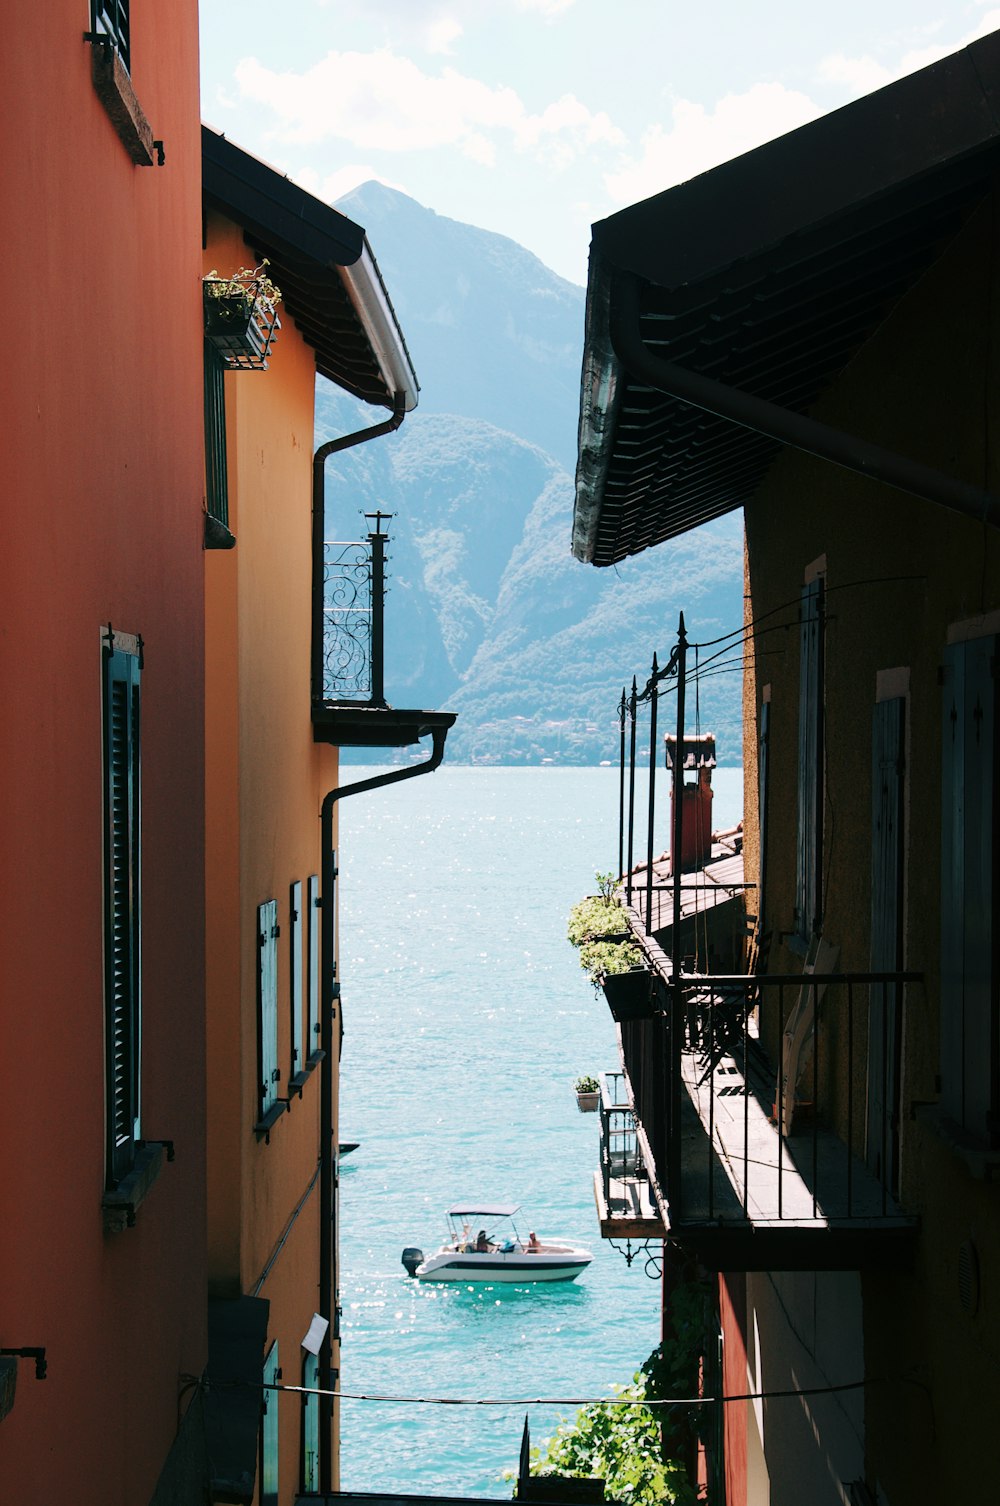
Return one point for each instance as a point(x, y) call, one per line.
point(532, 1246)
point(482, 1245)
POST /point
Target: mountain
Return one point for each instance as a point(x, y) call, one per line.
point(488, 614)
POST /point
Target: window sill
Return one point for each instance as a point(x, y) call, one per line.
point(982, 1163)
point(120, 1204)
point(262, 1129)
point(300, 1079)
point(114, 89)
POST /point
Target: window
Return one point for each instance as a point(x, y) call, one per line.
point(110, 36)
point(295, 977)
point(310, 1424)
point(269, 1432)
point(885, 1000)
point(269, 1105)
point(969, 970)
point(312, 943)
point(217, 533)
point(809, 845)
point(109, 18)
point(122, 666)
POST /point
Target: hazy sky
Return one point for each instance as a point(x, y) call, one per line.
point(536, 117)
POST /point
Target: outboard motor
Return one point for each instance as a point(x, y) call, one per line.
point(412, 1257)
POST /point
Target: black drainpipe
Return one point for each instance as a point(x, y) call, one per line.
point(327, 932)
point(782, 424)
point(333, 447)
point(330, 992)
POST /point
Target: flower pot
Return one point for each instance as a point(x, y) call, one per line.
point(241, 327)
point(587, 1102)
point(629, 995)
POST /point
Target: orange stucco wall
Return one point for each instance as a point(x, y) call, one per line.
point(265, 782)
point(100, 390)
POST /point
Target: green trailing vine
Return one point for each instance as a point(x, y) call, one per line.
point(645, 1456)
point(597, 925)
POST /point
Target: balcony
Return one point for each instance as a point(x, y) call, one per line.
point(349, 708)
point(756, 1167)
point(626, 1204)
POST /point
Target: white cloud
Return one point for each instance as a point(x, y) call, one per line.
point(548, 8)
point(381, 101)
point(863, 74)
point(698, 139)
point(442, 33)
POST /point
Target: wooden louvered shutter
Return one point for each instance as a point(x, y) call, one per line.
point(122, 959)
point(884, 1022)
point(269, 1479)
point(312, 945)
point(267, 1003)
point(809, 844)
point(295, 974)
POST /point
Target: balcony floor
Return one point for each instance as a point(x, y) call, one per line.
point(802, 1192)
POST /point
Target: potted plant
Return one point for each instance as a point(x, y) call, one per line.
point(241, 317)
point(588, 1093)
point(629, 992)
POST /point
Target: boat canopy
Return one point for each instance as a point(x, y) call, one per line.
point(487, 1210)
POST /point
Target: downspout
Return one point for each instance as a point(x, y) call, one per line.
point(783, 424)
point(334, 447)
point(330, 989)
point(330, 992)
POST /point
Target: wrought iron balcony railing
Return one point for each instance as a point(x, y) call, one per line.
point(625, 1204)
point(351, 612)
point(349, 707)
point(770, 1107)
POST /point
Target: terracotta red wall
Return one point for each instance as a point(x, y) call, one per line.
point(732, 1312)
point(100, 391)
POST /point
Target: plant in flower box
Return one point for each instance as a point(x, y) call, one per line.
point(241, 316)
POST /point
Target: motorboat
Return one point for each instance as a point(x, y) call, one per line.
point(484, 1244)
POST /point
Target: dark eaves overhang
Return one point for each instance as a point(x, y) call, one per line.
point(329, 280)
point(718, 311)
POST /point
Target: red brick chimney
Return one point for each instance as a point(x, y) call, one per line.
point(696, 800)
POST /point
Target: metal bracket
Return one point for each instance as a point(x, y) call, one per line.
point(38, 1355)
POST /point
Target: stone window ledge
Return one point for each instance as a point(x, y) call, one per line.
point(121, 1203)
point(115, 91)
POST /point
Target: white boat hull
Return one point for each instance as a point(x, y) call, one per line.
point(515, 1267)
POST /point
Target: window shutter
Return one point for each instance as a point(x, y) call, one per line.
point(267, 1002)
point(312, 942)
point(968, 856)
point(295, 975)
point(122, 960)
point(310, 1425)
point(216, 471)
point(884, 1024)
point(269, 1431)
point(809, 846)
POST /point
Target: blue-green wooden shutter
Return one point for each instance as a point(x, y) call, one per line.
point(968, 973)
point(884, 1024)
point(310, 1425)
point(267, 1002)
point(269, 1432)
point(809, 842)
point(295, 973)
point(122, 953)
point(312, 944)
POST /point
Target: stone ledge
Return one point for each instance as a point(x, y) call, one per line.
point(115, 91)
point(121, 1203)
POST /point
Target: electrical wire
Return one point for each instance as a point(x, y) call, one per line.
point(559, 1401)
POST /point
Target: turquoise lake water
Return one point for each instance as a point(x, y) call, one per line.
point(467, 1020)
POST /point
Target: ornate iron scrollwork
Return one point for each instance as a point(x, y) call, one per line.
point(347, 621)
